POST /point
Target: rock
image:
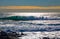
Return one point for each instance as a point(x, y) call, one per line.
point(5, 35)
point(46, 38)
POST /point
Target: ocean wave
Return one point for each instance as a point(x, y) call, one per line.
point(23, 18)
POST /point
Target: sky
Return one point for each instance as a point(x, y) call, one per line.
point(29, 2)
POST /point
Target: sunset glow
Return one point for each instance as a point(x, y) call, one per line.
point(29, 7)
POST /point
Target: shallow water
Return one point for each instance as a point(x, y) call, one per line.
point(41, 35)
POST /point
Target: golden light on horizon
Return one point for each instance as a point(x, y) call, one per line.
point(29, 7)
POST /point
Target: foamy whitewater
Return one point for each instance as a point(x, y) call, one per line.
point(46, 26)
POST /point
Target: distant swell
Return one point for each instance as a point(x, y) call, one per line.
point(28, 18)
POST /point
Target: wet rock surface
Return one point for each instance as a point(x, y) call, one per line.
point(10, 35)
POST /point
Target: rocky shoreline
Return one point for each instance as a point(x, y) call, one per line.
point(10, 35)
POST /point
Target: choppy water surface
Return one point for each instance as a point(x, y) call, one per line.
point(35, 25)
point(17, 21)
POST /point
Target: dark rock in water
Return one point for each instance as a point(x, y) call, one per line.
point(3, 35)
point(22, 34)
point(10, 35)
point(46, 38)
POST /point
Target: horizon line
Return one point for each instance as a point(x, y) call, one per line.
point(30, 7)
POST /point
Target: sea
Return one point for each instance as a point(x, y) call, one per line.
point(35, 25)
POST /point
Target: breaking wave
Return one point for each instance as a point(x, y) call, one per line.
point(17, 18)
